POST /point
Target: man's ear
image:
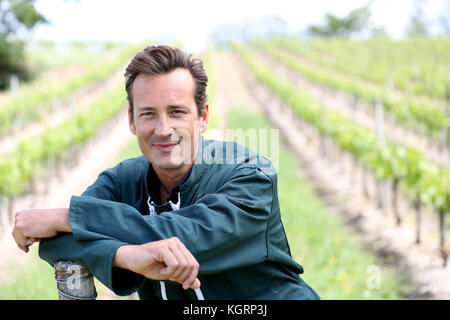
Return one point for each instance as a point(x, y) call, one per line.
point(131, 122)
point(204, 118)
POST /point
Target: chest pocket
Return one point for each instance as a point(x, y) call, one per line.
point(157, 209)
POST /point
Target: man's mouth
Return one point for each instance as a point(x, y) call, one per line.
point(166, 147)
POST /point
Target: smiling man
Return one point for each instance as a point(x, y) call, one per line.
point(188, 219)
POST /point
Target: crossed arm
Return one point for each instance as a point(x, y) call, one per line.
point(231, 222)
point(166, 259)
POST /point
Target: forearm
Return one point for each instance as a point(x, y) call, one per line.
point(121, 258)
point(193, 225)
point(31, 225)
point(61, 219)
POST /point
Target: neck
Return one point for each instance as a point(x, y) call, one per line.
point(170, 178)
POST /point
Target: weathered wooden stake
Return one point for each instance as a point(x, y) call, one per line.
point(447, 134)
point(74, 281)
point(14, 84)
point(396, 212)
point(418, 207)
point(443, 250)
point(378, 193)
point(365, 182)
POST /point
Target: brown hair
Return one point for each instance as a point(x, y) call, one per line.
point(164, 59)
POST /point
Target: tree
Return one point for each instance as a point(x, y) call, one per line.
point(356, 21)
point(418, 25)
point(15, 15)
point(245, 31)
point(444, 20)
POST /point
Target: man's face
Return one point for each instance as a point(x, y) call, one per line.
point(165, 118)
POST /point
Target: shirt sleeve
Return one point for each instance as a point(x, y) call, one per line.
point(223, 230)
point(97, 254)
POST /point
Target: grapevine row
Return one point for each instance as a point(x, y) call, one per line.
point(18, 167)
point(406, 111)
point(416, 66)
point(32, 104)
point(387, 161)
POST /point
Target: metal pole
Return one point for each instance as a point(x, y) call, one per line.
point(74, 281)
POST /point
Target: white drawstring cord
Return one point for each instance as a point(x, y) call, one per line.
point(151, 208)
point(177, 205)
point(199, 294)
point(174, 206)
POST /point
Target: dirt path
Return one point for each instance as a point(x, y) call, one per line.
point(336, 182)
point(360, 113)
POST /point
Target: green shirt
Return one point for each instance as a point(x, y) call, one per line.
point(229, 219)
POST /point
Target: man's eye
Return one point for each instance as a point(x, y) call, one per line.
point(177, 112)
point(146, 114)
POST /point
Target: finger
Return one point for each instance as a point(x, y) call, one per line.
point(181, 272)
point(171, 262)
point(19, 238)
point(24, 248)
point(191, 282)
point(197, 284)
point(191, 271)
point(28, 241)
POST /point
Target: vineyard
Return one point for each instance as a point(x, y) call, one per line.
point(364, 155)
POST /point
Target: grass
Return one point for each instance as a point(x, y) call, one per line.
point(33, 279)
point(335, 264)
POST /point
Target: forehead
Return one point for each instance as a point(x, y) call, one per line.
point(177, 84)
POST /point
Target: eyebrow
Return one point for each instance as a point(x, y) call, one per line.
point(172, 106)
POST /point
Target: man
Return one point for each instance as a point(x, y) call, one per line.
point(190, 219)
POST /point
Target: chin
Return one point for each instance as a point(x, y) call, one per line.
point(168, 166)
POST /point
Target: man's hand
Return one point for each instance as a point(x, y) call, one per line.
point(32, 225)
point(166, 259)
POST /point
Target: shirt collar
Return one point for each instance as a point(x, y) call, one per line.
point(153, 184)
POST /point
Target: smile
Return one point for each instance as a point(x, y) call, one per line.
point(166, 147)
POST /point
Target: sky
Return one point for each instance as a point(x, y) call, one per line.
point(191, 21)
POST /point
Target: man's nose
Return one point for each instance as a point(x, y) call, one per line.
point(163, 127)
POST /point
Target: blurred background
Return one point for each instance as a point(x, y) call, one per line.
point(359, 92)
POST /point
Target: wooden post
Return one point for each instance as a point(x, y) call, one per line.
point(14, 84)
point(418, 209)
point(396, 212)
point(388, 85)
point(447, 108)
point(383, 190)
point(442, 247)
point(74, 281)
point(378, 193)
point(365, 182)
